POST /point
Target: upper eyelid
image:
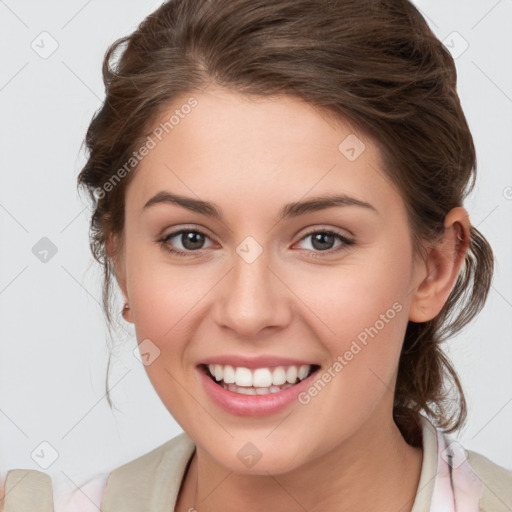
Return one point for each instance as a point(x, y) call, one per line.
point(178, 232)
point(325, 230)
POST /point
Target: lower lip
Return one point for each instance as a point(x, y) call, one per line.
point(252, 405)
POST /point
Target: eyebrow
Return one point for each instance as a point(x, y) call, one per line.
point(289, 210)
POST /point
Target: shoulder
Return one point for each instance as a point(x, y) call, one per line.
point(26, 489)
point(496, 483)
point(133, 480)
point(168, 455)
point(153, 478)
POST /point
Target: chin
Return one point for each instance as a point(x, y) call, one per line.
point(255, 455)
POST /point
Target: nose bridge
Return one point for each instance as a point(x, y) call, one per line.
point(253, 297)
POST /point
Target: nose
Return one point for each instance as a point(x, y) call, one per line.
point(253, 298)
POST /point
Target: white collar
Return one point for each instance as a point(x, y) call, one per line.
point(447, 482)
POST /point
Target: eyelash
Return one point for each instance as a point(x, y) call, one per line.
point(347, 242)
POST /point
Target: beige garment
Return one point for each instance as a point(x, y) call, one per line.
point(28, 490)
point(497, 483)
point(151, 482)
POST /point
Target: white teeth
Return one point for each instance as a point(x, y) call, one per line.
point(278, 376)
point(259, 378)
point(229, 374)
point(246, 391)
point(243, 376)
point(303, 371)
point(291, 374)
point(262, 378)
point(255, 391)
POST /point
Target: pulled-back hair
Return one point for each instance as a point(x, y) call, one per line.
point(375, 64)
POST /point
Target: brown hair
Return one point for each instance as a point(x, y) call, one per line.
point(375, 64)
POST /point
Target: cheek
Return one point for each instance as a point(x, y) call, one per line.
point(164, 301)
point(169, 303)
point(163, 298)
point(362, 317)
point(352, 296)
point(160, 292)
point(360, 311)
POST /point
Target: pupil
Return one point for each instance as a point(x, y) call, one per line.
point(190, 240)
point(321, 237)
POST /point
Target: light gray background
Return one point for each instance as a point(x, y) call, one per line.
point(54, 353)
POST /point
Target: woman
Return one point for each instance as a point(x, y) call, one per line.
point(278, 192)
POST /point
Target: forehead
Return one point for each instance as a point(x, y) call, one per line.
point(230, 145)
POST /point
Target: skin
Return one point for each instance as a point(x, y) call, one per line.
point(250, 156)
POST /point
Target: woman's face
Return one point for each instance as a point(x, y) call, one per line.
point(271, 279)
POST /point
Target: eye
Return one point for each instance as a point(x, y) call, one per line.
point(322, 242)
point(192, 240)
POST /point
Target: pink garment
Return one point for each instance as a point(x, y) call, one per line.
point(85, 499)
point(457, 488)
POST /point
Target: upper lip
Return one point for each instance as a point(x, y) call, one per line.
point(264, 361)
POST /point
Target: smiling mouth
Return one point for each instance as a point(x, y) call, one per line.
point(258, 381)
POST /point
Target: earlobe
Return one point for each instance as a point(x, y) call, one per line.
point(127, 313)
point(441, 267)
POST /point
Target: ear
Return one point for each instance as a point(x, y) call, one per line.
point(114, 251)
point(441, 268)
